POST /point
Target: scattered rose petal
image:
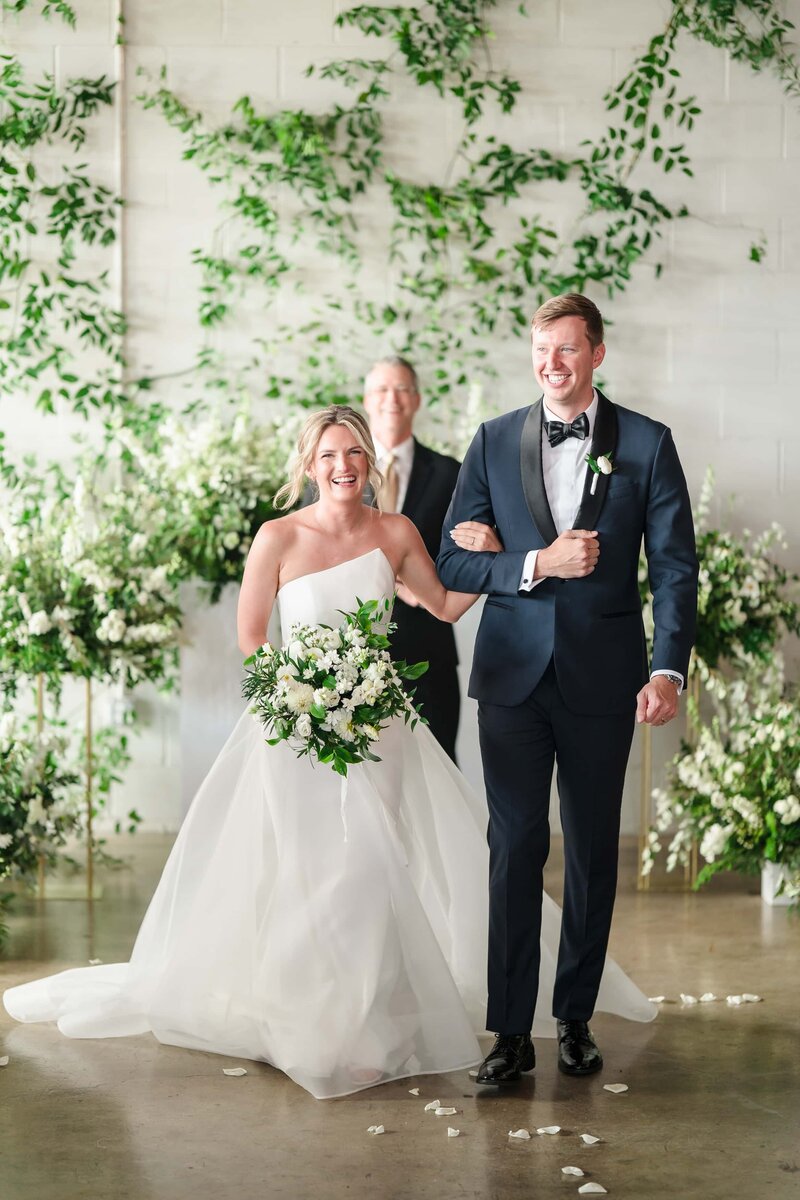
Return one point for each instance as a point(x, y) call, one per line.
point(522, 1134)
point(576, 1171)
point(656, 999)
point(413, 1091)
point(592, 1189)
point(589, 1139)
point(233, 1071)
point(688, 999)
point(95, 962)
point(749, 998)
point(707, 997)
point(453, 1132)
point(376, 1129)
point(445, 1112)
point(616, 1088)
point(434, 1104)
point(549, 1129)
point(4, 1061)
point(473, 1074)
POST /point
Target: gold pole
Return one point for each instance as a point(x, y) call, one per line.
point(89, 835)
point(40, 885)
point(692, 868)
point(643, 881)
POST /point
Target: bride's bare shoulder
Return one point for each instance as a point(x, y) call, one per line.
point(279, 533)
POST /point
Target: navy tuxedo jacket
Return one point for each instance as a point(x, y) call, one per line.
point(591, 627)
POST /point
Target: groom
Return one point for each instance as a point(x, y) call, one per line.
point(560, 668)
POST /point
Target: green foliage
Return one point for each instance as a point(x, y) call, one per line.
point(55, 315)
point(461, 269)
point(50, 8)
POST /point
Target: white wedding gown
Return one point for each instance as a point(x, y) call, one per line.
point(341, 938)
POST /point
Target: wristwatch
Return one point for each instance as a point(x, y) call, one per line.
point(673, 678)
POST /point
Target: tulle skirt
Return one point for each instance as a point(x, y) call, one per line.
point(336, 930)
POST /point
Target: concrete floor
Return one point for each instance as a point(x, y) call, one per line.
point(713, 1108)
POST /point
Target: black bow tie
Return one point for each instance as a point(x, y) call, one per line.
point(559, 431)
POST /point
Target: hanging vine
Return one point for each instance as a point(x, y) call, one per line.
point(461, 269)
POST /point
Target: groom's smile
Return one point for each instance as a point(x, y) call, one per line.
point(563, 362)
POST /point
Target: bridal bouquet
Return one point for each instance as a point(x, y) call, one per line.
point(329, 692)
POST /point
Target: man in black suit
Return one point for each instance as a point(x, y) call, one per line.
point(572, 483)
point(419, 484)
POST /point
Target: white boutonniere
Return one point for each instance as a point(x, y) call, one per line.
point(602, 465)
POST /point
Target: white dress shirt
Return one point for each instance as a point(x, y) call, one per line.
point(564, 470)
point(403, 457)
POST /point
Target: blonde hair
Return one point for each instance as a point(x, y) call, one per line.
point(573, 304)
point(308, 440)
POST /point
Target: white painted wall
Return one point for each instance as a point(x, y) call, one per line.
point(711, 347)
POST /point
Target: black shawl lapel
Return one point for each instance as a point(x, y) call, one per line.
point(418, 479)
point(530, 462)
point(604, 441)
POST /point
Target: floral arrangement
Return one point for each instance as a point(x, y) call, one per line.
point(330, 692)
point(743, 603)
point(215, 479)
point(737, 791)
point(40, 797)
point(79, 593)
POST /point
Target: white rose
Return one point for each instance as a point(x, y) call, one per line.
point(303, 726)
point(605, 464)
point(39, 623)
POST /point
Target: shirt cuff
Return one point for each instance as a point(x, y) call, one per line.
point(664, 671)
point(527, 583)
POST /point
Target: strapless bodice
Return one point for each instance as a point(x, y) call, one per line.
point(320, 597)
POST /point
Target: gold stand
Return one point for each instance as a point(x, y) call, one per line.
point(684, 883)
point(41, 861)
point(89, 812)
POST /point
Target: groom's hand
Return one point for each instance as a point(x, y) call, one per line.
point(572, 555)
point(657, 702)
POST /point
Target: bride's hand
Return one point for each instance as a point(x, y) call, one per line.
point(472, 535)
point(405, 594)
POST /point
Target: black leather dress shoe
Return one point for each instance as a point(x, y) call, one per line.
point(577, 1050)
point(507, 1059)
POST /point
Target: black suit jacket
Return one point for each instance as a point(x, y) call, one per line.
point(431, 485)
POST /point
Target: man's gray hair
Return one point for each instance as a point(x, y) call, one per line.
point(393, 360)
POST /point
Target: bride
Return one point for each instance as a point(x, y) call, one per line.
point(341, 938)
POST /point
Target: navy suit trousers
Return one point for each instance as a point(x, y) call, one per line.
point(519, 746)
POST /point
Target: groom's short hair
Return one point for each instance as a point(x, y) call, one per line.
point(573, 304)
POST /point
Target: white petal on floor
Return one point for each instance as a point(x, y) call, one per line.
point(413, 1091)
point(473, 1074)
point(434, 1104)
point(445, 1112)
point(233, 1071)
point(707, 997)
point(376, 1129)
point(688, 999)
point(549, 1129)
point(589, 1139)
point(592, 1189)
point(750, 998)
point(656, 999)
point(616, 1088)
point(4, 1061)
point(453, 1132)
point(734, 1000)
point(576, 1171)
point(522, 1134)
point(95, 962)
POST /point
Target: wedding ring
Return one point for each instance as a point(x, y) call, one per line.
point(472, 541)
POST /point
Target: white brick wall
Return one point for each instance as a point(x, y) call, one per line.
point(712, 347)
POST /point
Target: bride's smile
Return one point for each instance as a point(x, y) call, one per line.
point(340, 465)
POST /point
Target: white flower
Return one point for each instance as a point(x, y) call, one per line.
point(37, 813)
point(370, 731)
point(112, 627)
point(299, 697)
point(788, 810)
point(39, 623)
point(713, 842)
point(326, 697)
point(604, 464)
point(303, 726)
point(5, 840)
point(286, 672)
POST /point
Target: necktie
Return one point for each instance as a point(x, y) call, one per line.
point(559, 431)
point(388, 494)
